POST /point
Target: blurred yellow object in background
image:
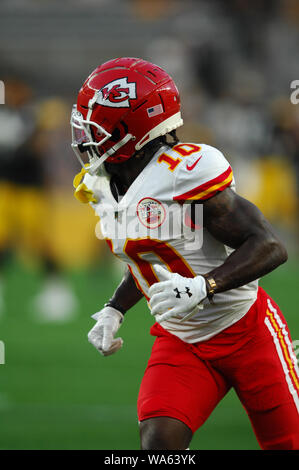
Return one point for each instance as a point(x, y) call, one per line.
point(22, 214)
point(73, 242)
point(274, 189)
point(35, 223)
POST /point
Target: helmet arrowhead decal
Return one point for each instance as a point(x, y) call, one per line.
point(117, 94)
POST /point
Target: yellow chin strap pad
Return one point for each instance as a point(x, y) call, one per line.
point(78, 178)
point(82, 193)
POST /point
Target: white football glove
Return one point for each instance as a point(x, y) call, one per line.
point(175, 295)
point(101, 336)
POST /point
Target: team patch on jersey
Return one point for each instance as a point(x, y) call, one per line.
point(117, 94)
point(151, 212)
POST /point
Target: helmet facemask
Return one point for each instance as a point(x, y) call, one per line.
point(88, 138)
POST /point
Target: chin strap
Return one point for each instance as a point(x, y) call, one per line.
point(99, 161)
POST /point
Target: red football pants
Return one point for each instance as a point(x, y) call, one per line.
point(254, 356)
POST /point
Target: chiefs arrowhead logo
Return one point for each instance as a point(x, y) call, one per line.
point(117, 94)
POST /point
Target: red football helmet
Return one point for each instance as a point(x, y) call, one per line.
point(123, 104)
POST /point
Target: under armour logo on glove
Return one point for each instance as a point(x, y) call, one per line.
point(164, 303)
point(178, 293)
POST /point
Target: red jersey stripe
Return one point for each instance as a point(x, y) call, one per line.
point(208, 189)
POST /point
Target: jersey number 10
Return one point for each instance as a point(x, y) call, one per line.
point(184, 150)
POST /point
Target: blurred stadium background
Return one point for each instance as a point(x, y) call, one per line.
point(233, 61)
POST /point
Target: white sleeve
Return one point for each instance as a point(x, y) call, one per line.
point(201, 175)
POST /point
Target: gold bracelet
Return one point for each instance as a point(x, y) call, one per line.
point(211, 286)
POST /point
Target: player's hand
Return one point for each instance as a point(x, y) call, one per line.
point(101, 336)
point(176, 295)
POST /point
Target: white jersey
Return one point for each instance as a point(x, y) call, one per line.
point(151, 225)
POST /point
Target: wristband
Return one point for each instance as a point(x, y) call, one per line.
point(112, 303)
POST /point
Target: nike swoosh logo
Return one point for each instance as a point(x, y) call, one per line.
point(190, 167)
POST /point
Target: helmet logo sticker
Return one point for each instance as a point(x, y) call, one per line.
point(117, 94)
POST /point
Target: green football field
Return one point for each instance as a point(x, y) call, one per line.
point(57, 392)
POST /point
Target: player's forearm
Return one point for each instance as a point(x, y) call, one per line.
point(126, 294)
point(238, 223)
point(256, 257)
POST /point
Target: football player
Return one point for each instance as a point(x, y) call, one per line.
point(215, 327)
